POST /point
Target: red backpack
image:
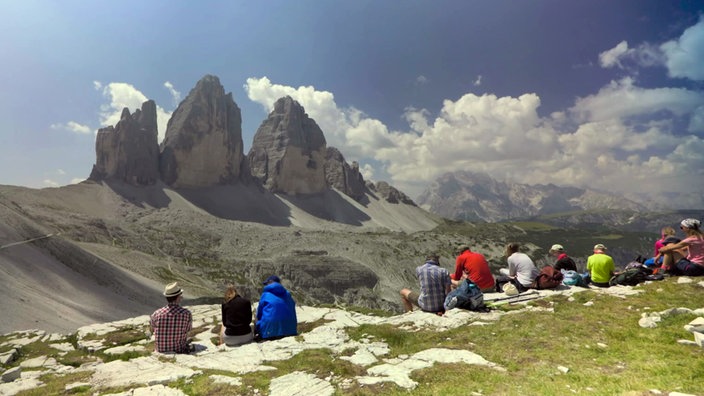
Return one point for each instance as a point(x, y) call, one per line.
point(549, 278)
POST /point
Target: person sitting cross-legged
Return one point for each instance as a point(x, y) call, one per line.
point(434, 285)
point(171, 324)
point(601, 266)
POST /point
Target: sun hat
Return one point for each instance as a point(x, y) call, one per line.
point(172, 290)
point(692, 224)
point(557, 248)
point(599, 246)
point(510, 289)
point(272, 279)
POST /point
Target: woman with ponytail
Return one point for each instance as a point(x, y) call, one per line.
point(687, 256)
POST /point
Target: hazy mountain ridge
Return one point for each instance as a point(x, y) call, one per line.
point(473, 196)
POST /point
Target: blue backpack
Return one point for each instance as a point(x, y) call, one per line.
point(466, 296)
point(573, 278)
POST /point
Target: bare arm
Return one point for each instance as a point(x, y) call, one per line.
point(674, 246)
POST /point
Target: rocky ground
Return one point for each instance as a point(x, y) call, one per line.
point(116, 358)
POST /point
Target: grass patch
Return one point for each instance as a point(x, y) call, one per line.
point(305, 327)
point(56, 385)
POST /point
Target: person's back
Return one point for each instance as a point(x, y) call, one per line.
point(236, 319)
point(434, 284)
point(600, 266)
point(476, 267)
point(171, 324)
point(276, 313)
point(563, 261)
point(522, 267)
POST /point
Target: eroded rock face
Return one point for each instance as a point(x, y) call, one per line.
point(129, 151)
point(203, 143)
point(288, 151)
point(340, 175)
point(390, 193)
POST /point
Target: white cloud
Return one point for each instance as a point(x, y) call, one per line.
point(367, 172)
point(175, 95)
point(121, 95)
point(478, 81)
point(611, 58)
point(685, 56)
point(73, 126)
point(421, 79)
point(50, 183)
point(623, 99)
point(61, 172)
point(617, 139)
point(644, 55)
point(77, 180)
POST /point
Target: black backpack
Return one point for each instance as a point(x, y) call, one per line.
point(630, 277)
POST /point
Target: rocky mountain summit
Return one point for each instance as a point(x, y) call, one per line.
point(203, 148)
point(203, 143)
point(129, 151)
point(478, 197)
point(288, 151)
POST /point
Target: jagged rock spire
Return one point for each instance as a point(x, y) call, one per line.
point(288, 151)
point(129, 151)
point(203, 143)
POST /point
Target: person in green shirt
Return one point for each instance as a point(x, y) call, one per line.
point(600, 266)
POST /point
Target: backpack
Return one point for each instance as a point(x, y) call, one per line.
point(466, 296)
point(629, 277)
point(571, 278)
point(549, 278)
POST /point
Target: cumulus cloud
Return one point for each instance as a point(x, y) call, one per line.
point(72, 126)
point(478, 81)
point(121, 95)
point(50, 183)
point(616, 139)
point(175, 95)
point(685, 56)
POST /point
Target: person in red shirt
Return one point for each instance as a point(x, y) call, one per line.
point(473, 265)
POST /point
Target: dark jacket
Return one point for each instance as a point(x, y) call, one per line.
point(564, 262)
point(276, 313)
point(237, 316)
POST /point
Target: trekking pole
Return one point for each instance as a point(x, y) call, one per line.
point(28, 240)
point(516, 296)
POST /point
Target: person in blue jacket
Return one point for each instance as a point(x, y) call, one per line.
point(276, 313)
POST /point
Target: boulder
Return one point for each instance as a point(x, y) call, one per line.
point(203, 143)
point(129, 151)
point(340, 175)
point(390, 193)
point(11, 374)
point(288, 151)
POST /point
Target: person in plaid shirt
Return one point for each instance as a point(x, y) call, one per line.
point(171, 324)
point(434, 285)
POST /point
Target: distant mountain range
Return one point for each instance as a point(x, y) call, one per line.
point(478, 197)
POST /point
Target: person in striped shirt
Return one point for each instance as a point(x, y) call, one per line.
point(171, 324)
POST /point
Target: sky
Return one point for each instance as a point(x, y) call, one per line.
point(590, 93)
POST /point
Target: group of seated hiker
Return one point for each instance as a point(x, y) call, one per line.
point(275, 318)
point(276, 311)
point(677, 257)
